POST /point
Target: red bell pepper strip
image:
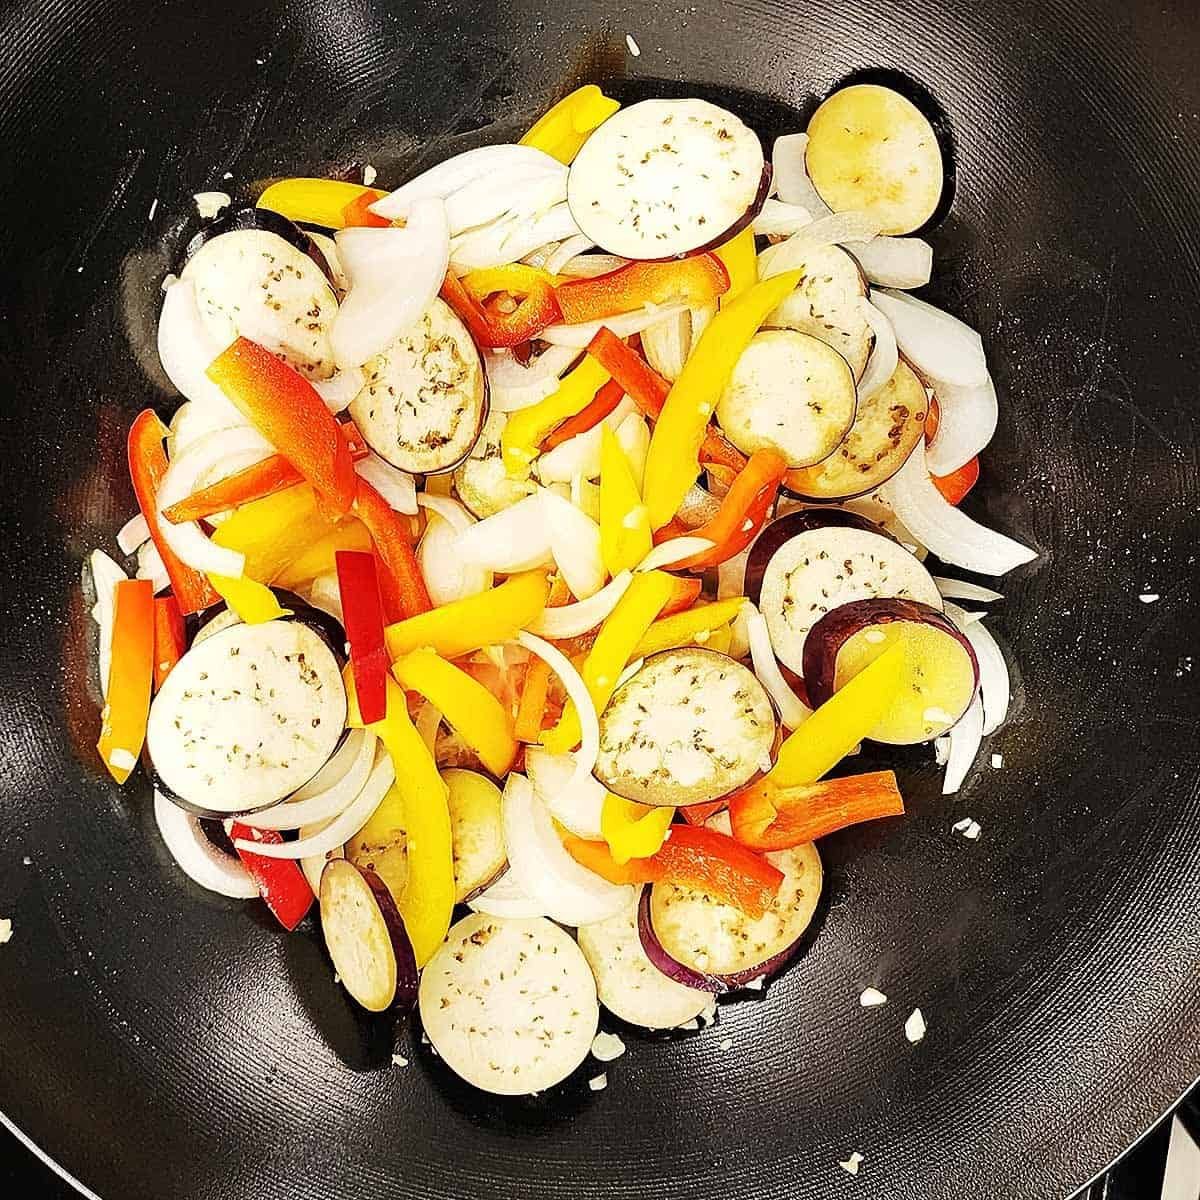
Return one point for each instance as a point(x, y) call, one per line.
point(766, 816)
point(696, 857)
point(362, 609)
point(288, 412)
point(281, 882)
point(957, 484)
point(699, 814)
point(147, 466)
point(648, 390)
point(696, 280)
point(169, 638)
point(400, 581)
point(357, 212)
point(606, 401)
point(127, 704)
point(742, 513)
point(686, 592)
point(260, 479)
point(537, 309)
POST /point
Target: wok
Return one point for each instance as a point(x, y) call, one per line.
point(161, 1042)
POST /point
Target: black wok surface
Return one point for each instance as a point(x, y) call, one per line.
point(162, 1042)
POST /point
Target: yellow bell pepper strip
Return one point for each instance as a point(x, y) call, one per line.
point(517, 279)
point(273, 531)
point(624, 526)
point(612, 650)
point(825, 738)
point(317, 201)
point(674, 459)
point(527, 428)
point(633, 830)
point(253, 602)
point(562, 129)
point(464, 626)
point(683, 628)
point(536, 306)
point(127, 706)
point(417, 804)
point(740, 262)
point(319, 558)
point(465, 704)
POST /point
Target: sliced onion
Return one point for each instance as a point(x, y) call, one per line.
point(575, 545)
point(962, 589)
point(702, 316)
point(515, 539)
point(341, 389)
point(133, 533)
point(507, 240)
point(965, 740)
point(343, 827)
point(314, 865)
point(895, 262)
point(580, 455)
point(428, 721)
point(884, 354)
point(571, 620)
point(589, 266)
point(576, 689)
point(633, 436)
point(675, 550)
point(397, 487)
point(830, 230)
point(792, 710)
point(505, 898)
point(449, 509)
point(995, 688)
point(395, 274)
point(151, 566)
point(571, 248)
point(575, 803)
point(105, 577)
point(625, 325)
point(790, 174)
point(666, 344)
point(938, 345)
point(186, 347)
point(337, 272)
point(333, 789)
point(512, 386)
point(779, 219)
point(447, 576)
point(532, 188)
point(945, 530)
point(325, 594)
point(544, 871)
point(197, 857)
point(967, 421)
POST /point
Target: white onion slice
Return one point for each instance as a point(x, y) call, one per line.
point(343, 827)
point(512, 386)
point(779, 219)
point(995, 688)
point(575, 545)
point(792, 710)
point(571, 248)
point(186, 348)
point(151, 566)
point(197, 857)
point(895, 262)
point(133, 533)
point(341, 389)
point(314, 865)
point(428, 721)
point(397, 487)
point(666, 344)
point(325, 594)
point(589, 266)
point(967, 421)
point(542, 868)
point(571, 620)
point(945, 530)
point(962, 589)
point(830, 230)
point(575, 803)
point(394, 274)
point(576, 689)
point(580, 456)
point(447, 577)
point(532, 188)
point(514, 539)
point(106, 574)
point(505, 898)
point(675, 550)
point(625, 325)
point(965, 740)
point(938, 345)
point(791, 174)
point(507, 240)
point(338, 782)
point(884, 354)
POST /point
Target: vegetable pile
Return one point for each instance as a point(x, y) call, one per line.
point(538, 537)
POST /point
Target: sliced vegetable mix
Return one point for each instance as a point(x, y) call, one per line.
point(543, 539)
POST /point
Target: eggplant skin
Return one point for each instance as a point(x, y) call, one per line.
point(247, 216)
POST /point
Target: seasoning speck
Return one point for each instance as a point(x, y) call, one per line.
point(997, 761)
point(1148, 597)
point(398, 1060)
point(726, 1044)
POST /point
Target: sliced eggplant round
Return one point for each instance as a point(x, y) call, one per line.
point(629, 985)
point(789, 392)
point(476, 832)
point(817, 571)
point(246, 717)
point(425, 397)
point(872, 150)
point(826, 303)
point(687, 727)
point(383, 849)
point(482, 482)
point(248, 217)
point(256, 284)
point(886, 430)
point(509, 1005)
point(664, 178)
point(941, 672)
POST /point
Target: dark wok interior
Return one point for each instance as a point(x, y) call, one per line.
point(160, 1041)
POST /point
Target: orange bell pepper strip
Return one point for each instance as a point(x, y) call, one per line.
point(317, 201)
point(699, 814)
point(537, 309)
point(743, 511)
point(400, 580)
point(686, 593)
point(362, 611)
point(357, 212)
point(169, 638)
point(260, 479)
point(147, 466)
point(127, 707)
point(957, 484)
point(765, 816)
point(562, 129)
point(535, 691)
point(696, 857)
point(605, 402)
point(288, 412)
point(693, 281)
point(741, 263)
